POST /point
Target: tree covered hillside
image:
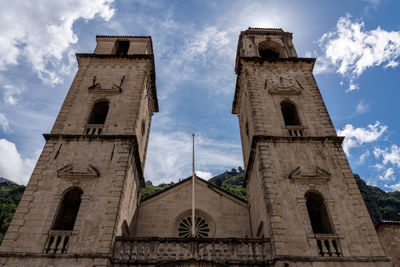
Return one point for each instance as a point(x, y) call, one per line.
point(10, 195)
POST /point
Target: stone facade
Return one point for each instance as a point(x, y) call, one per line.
point(304, 208)
point(389, 234)
point(226, 214)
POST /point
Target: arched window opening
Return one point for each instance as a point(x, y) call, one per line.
point(122, 48)
point(318, 214)
point(268, 53)
point(99, 113)
point(269, 49)
point(68, 210)
point(290, 115)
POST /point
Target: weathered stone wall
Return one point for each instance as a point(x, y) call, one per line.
point(60, 261)
point(260, 221)
point(128, 108)
point(96, 220)
point(158, 215)
point(389, 234)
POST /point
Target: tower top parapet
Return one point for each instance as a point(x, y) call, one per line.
point(123, 45)
point(265, 43)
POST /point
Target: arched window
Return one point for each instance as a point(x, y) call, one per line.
point(68, 210)
point(290, 115)
point(99, 113)
point(268, 53)
point(318, 214)
point(122, 48)
point(268, 50)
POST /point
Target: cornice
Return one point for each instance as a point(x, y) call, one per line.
point(284, 139)
point(124, 137)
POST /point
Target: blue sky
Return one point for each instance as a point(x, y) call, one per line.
point(357, 44)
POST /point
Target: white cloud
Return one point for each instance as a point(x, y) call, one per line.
point(351, 49)
point(10, 94)
point(363, 157)
point(387, 175)
point(41, 32)
point(361, 108)
point(12, 165)
point(391, 155)
point(393, 186)
point(358, 136)
point(204, 175)
point(170, 156)
point(4, 123)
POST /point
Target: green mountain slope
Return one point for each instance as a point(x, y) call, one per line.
point(10, 195)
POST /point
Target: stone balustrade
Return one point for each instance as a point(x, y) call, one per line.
point(93, 129)
point(328, 245)
point(295, 130)
point(57, 241)
point(230, 251)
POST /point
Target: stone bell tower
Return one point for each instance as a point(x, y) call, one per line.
point(302, 193)
point(84, 189)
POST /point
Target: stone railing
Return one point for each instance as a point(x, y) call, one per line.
point(94, 129)
point(295, 130)
point(230, 251)
point(57, 241)
point(328, 245)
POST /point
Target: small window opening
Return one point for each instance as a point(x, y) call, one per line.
point(99, 113)
point(268, 53)
point(68, 210)
point(318, 214)
point(143, 127)
point(290, 115)
point(122, 48)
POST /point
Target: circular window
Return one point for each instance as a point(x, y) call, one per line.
point(202, 229)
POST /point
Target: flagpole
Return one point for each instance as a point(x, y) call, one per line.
point(193, 193)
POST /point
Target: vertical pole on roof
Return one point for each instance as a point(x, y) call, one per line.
point(193, 194)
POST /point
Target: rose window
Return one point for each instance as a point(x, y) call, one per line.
point(202, 229)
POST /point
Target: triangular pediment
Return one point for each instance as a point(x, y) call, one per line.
point(284, 91)
point(97, 88)
point(68, 171)
point(200, 183)
point(309, 173)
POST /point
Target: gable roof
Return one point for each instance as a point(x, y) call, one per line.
point(212, 186)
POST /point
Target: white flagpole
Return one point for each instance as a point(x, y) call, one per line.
point(193, 196)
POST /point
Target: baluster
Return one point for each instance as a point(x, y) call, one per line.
point(125, 251)
point(336, 247)
point(233, 253)
point(328, 247)
point(117, 250)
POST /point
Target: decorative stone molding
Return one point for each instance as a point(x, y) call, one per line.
point(282, 84)
point(314, 174)
point(68, 172)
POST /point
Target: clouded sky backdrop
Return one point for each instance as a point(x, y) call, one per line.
point(357, 43)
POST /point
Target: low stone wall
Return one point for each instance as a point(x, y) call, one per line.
point(229, 251)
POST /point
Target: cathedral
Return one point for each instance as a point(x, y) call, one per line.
point(82, 204)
